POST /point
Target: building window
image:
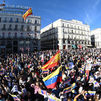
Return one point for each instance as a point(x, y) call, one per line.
point(22, 20)
point(63, 41)
point(11, 20)
point(63, 25)
point(35, 28)
point(67, 25)
point(21, 34)
point(5, 20)
point(35, 21)
point(78, 27)
point(72, 31)
point(63, 31)
point(4, 27)
point(69, 41)
point(28, 34)
point(16, 27)
point(22, 27)
point(9, 34)
point(3, 34)
point(0, 19)
point(10, 27)
point(29, 21)
point(17, 20)
point(15, 35)
point(28, 28)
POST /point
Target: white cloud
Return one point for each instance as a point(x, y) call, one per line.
point(96, 4)
point(92, 14)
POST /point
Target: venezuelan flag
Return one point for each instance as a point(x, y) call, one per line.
point(43, 92)
point(67, 81)
point(51, 80)
point(27, 13)
point(90, 93)
point(82, 69)
point(15, 98)
point(45, 71)
point(6, 77)
point(96, 83)
point(54, 61)
point(69, 89)
point(1, 72)
point(52, 98)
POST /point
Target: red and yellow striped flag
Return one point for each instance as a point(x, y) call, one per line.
point(54, 61)
point(28, 12)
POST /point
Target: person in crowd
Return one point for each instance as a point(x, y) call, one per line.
point(21, 76)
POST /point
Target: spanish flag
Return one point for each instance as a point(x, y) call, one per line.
point(51, 80)
point(54, 61)
point(28, 12)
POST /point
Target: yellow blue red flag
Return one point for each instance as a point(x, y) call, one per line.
point(15, 98)
point(51, 80)
point(54, 61)
point(27, 13)
point(69, 89)
point(53, 98)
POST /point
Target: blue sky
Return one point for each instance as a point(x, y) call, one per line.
point(87, 11)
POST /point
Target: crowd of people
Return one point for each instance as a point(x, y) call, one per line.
point(21, 76)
